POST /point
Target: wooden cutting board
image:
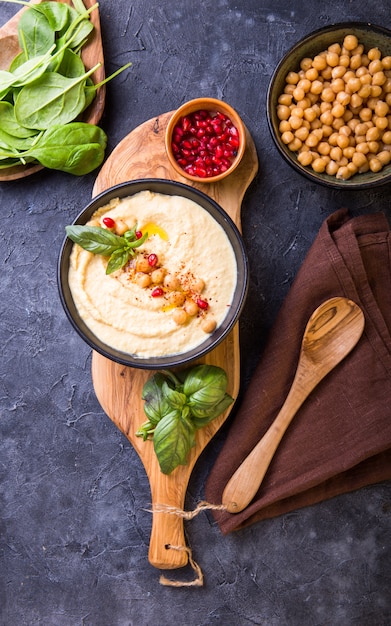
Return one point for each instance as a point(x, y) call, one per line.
point(141, 154)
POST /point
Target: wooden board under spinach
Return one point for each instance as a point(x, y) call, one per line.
point(47, 88)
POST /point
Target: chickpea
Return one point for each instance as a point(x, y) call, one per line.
point(338, 110)
point(190, 307)
point(198, 285)
point(283, 112)
point(295, 122)
point(305, 158)
point(284, 126)
point(318, 165)
point(179, 316)
point(355, 61)
point(298, 93)
point(343, 98)
point(316, 87)
point(386, 63)
point(373, 134)
point(292, 78)
point(338, 71)
point(142, 280)
point(312, 73)
point(172, 282)
point(336, 153)
point(319, 63)
point(344, 60)
point(208, 325)
point(375, 165)
point(304, 84)
point(350, 42)
point(323, 148)
point(387, 137)
point(176, 298)
point(359, 159)
point(331, 168)
point(355, 101)
point(384, 157)
point(375, 66)
point(295, 145)
point(343, 173)
point(157, 276)
point(381, 122)
point(285, 99)
point(306, 64)
point(302, 133)
point(374, 54)
point(142, 265)
point(365, 92)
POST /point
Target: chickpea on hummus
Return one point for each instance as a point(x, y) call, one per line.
point(175, 289)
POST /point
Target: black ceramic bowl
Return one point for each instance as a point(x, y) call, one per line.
point(170, 188)
point(370, 36)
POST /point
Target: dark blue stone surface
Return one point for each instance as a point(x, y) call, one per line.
point(74, 530)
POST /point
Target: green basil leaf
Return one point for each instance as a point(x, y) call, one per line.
point(94, 239)
point(172, 440)
point(205, 385)
point(175, 399)
point(201, 417)
point(117, 259)
point(156, 405)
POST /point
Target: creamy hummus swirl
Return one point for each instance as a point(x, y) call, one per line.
point(189, 244)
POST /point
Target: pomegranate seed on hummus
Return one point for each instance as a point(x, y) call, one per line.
point(175, 289)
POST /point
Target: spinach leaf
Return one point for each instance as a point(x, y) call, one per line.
point(57, 100)
point(35, 34)
point(76, 148)
point(172, 441)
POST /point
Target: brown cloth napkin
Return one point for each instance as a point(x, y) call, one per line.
point(340, 439)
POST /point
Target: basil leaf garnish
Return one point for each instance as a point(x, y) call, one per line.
point(177, 405)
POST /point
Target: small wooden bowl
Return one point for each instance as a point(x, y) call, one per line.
point(91, 54)
point(211, 105)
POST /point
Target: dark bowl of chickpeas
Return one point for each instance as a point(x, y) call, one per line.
point(329, 106)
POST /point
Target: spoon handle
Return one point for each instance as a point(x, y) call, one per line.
point(245, 482)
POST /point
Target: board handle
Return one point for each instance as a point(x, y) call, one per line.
point(167, 546)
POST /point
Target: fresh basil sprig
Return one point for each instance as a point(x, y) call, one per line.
point(177, 405)
point(102, 241)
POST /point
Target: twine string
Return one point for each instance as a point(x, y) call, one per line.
point(187, 515)
point(197, 582)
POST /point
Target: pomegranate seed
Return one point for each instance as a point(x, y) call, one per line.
point(202, 304)
point(108, 222)
point(157, 292)
point(152, 260)
point(138, 234)
point(205, 144)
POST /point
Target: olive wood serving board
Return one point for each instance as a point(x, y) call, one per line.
point(92, 53)
point(141, 154)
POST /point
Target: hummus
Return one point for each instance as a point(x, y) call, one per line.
point(175, 291)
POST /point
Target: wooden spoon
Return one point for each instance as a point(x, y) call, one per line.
point(91, 54)
point(331, 333)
